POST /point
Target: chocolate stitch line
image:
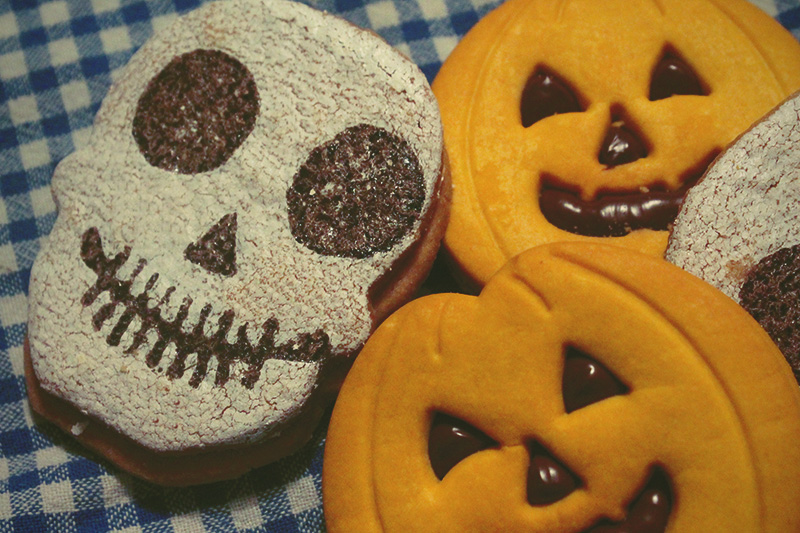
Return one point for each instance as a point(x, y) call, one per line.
point(306, 347)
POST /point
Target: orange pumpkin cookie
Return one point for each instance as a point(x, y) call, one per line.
point(589, 388)
point(587, 120)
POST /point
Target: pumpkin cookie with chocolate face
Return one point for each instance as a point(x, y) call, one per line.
point(533, 408)
point(739, 228)
point(264, 185)
point(582, 120)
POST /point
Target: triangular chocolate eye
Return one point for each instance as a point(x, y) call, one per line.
point(548, 479)
point(546, 94)
point(585, 381)
point(216, 250)
point(672, 75)
point(451, 440)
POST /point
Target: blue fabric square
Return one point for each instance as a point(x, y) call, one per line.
point(9, 391)
point(42, 80)
point(83, 468)
point(84, 26)
point(15, 442)
point(134, 13)
point(55, 126)
point(23, 229)
point(93, 66)
point(91, 520)
point(12, 184)
point(791, 18)
point(463, 22)
point(8, 139)
point(348, 5)
point(30, 524)
point(186, 5)
point(35, 37)
point(415, 30)
point(22, 482)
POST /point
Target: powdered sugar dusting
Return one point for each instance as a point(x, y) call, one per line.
point(746, 207)
point(316, 76)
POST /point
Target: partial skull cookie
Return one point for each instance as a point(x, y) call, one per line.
point(533, 408)
point(264, 184)
point(581, 120)
point(739, 228)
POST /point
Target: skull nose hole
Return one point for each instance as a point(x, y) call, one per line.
point(215, 251)
point(548, 479)
point(622, 143)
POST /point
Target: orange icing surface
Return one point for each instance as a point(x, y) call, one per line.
point(607, 52)
point(711, 402)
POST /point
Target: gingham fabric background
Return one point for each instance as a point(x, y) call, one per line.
point(57, 60)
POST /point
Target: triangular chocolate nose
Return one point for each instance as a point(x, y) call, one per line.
point(216, 250)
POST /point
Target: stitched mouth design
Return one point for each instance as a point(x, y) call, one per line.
point(303, 348)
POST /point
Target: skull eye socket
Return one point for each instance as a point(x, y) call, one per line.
point(672, 76)
point(546, 94)
point(585, 381)
point(356, 195)
point(196, 112)
point(452, 440)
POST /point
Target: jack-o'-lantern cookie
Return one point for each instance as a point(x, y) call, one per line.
point(739, 227)
point(264, 184)
point(586, 120)
point(589, 388)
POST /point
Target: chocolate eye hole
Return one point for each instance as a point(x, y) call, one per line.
point(585, 381)
point(546, 94)
point(356, 195)
point(672, 76)
point(549, 480)
point(196, 112)
point(452, 440)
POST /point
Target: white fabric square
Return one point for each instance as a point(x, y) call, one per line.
point(115, 40)
point(23, 109)
point(383, 14)
point(8, 25)
point(52, 456)
point(114, 492)
point(57, 497)
point(245, 512)
point(5, 506)
point(432, 9)
point(53, 13)
point(188, 523)
point(75, 95)
point(62, 52)
point(42, 201)
point(163, 21)
point(34, 154)
point(302, 495)
point(444, 45)
point(3, 468)
point(80, 138)
point(13, 65)
point(100, 6)
point(13, 309)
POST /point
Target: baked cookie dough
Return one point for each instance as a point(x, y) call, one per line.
point(579, 120)
point(264, 184)
point(589, 388)
point(739, 228)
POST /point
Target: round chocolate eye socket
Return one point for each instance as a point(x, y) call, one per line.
point(196, 112)
point(356, 195)
point(771, 294)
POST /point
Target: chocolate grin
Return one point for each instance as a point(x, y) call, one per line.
point(615, 214)
point(303, 348)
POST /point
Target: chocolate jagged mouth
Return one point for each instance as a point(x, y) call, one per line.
point(649, 512)
point(305, 347)
point(615, 214)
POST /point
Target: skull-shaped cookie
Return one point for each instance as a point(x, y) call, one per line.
point(257, 182)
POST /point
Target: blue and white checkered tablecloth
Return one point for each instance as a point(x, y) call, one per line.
point(57, 61)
